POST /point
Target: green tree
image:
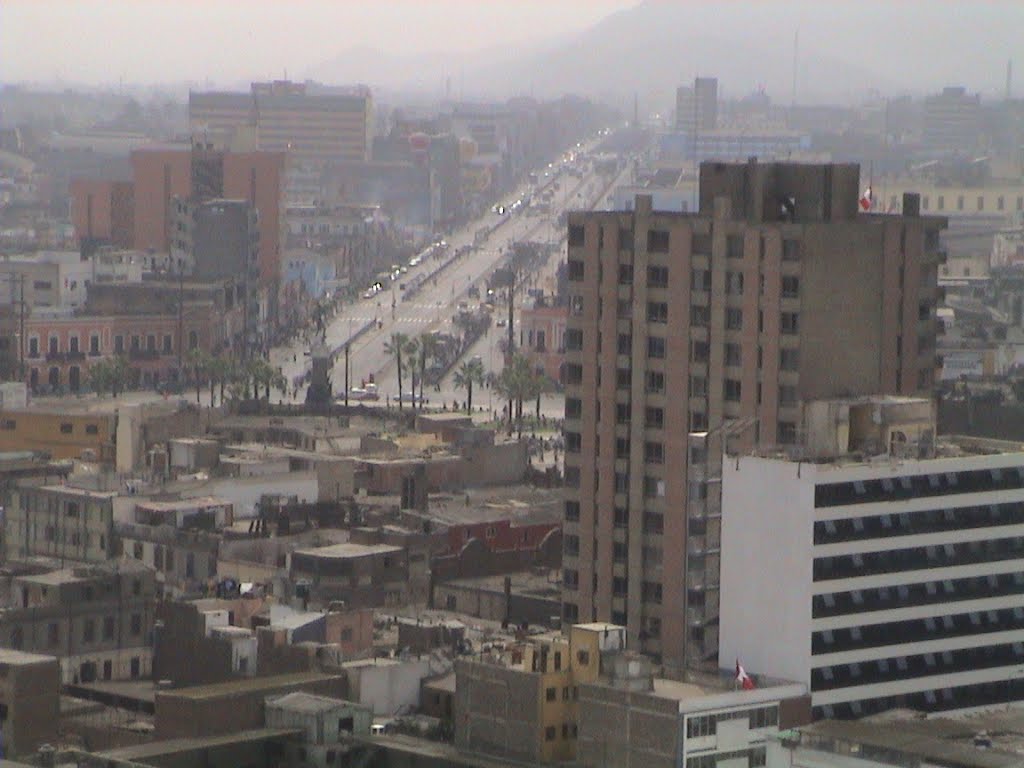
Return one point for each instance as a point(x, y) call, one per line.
point(221, 370)
point(110, 375)
point(395, 347)
point(469, 373)
point(516, 383)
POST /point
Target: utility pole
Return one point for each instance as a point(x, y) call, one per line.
point(181, 319)
point(347, 387)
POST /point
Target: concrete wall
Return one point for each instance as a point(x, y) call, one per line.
point(631, 730)
point(486, 602)
point(30, 695)
point(766, 577)
point(497, 710)
point(388, 687)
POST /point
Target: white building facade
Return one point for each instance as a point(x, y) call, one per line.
point(878, 584)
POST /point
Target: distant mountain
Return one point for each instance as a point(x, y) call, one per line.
point(845, 52)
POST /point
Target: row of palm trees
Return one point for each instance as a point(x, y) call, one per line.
point(412, 354)
point(238, 378)
point(518, 382)
point(241, 378)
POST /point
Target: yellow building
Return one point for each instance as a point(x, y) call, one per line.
point(996, 199)
point(61, 434)
point(525, 705)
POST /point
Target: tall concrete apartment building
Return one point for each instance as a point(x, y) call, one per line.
point(697, 106)
point(689, 329)
point(314, 124)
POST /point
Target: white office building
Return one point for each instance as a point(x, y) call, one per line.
point(880, 569)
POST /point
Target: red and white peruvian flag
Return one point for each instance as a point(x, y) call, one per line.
point(867, 199)
point(742, 678)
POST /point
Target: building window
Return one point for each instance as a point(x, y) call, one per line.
point(550, 694)
point(942, 202)
point(789, 359)
point(193, 340)
point(620, 586)
point(698, 386)
point(734, 283)
point(53, 345)
point(699, 316)
point(168, 347)
point(119, 345)
point(734, 246)
point(52, 635)
point(657, 312)
point(33, 346)
point(573, 441)
point(1000, 203)
point(66, 428)
point(790, 323)
point(570, 578)
point(623, 378)
point(654, 417)
point(655, 347)
point(657, 241)
point(136, 624)
point(92, 429)
point(625, 274)
point(620, 551)
point(652, 592)
point(625, 344)
point(108, 627)
point(733, 318)
point(622, 479)
point(571, 545)
point(623, 413)
point(790, 286)
point(786, 432)
point(89, 631)
point(549, 732)
point(657, 277)
point(654, 453)
point(699, 351)
point(654, 522)
point(791, 250)
point(575, 270)
point(733, 354)
point(8, 424)
point(981, 202)
point(924, 203)
point(960, 202)
point(655, 382)
point(698, 421)
point(576, 235)
point(572, 511)
point(732, 390)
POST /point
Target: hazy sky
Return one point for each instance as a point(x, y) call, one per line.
point(93, 41)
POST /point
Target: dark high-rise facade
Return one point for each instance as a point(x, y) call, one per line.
point(686, 326)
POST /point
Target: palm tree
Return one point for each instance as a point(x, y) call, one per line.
point(396, 348)
point(428, 348)
point(469, 373)
point(221, 369)
point(516, 383)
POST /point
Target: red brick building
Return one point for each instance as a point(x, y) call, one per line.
point(103, 211)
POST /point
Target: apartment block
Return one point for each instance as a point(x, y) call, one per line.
point(72, 524)
point(314, 124)
point(877, 567)
point(97, 620)
point(689, 329)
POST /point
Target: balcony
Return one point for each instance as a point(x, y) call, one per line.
point(143, 354)
point(74, 357)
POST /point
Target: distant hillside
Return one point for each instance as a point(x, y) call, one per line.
point(845, 52)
